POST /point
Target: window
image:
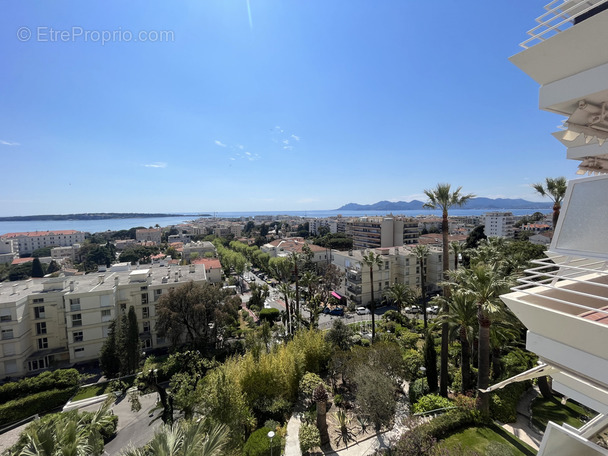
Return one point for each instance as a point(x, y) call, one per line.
point(43, 343)
point(146, 326)
point(106, 315)
point(5, 315)
point(41, 328)
point(147, 343)
point(160, 340)
point(157, 294)
point(144, 298)
point(74, 305)
point(7, 334)
point(39, 312)
point(8, 349)
point(77, 320)
point(105, 330)
point(386, 265)
point(79, 352)
point(145, 312)
point(37, 300)
point(78, 336)
point(123, 307)
point(143, 288)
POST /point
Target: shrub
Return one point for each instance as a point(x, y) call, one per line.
point(408, 340)
point(308, 384)
point(309, 438)
point(412, 362)
point(503, 403)
point(365, 343)
point(34, 404)
point(450, 422)
point(431, 402)
point(59, 379)
point(419, 388)
point(338, 400)
point(270, 315)
point(258, 444)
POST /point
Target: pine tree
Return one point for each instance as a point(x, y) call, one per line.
point(430, 362)
point(37, 270)
point(109, 362)
point(53, 267)
point(133, 345)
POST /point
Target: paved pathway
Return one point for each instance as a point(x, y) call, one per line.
point(521, 428)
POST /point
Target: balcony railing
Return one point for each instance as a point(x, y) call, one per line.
point(560, 15)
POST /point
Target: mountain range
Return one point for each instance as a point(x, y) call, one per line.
point(473, 203)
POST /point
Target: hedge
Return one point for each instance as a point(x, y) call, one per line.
point(503, 403)
point(450, 422)
point(59, 379)
point(258, 443)
point(25, 407)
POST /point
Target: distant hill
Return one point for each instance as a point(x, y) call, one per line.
point(474, 203)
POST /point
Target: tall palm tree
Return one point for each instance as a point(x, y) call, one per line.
point(484, 285)
point(555, 189)
point(441, 197)
point(287, 292)
point(400, 294)
point(462, 318)
point(421, 252)
point(371, 259)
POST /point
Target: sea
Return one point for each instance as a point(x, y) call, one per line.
point(96, 226)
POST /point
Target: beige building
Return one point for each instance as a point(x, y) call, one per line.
point(399, 265)
point(27, 242)
point(201, 248)
point(148, 235)
point(374, 232)
point(61, 321)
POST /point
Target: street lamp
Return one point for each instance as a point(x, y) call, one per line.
point(271, 436)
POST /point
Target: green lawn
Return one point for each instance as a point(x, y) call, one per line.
point(545, 410)
point(487, 440)
point(90, 391)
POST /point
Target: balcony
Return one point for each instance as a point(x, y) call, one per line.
point(564, 304)
point(354, 289)
point(562, 44)
point(353, 277)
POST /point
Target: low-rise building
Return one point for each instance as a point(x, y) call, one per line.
point(149, 235)
point(201, 248)
point(27, 242)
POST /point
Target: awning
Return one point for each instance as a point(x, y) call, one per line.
point(336, 295)
point(538, 371)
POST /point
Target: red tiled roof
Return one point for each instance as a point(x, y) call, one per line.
point(160, 256)
point(210, 263)
point(39, 233)
point(22, 260)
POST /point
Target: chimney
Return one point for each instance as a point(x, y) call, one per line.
point(176, 278)
point(116, 280)
point(71, 285)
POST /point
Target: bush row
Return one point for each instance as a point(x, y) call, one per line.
point(450, 422)
point(25, 407)
point(503, 403)
point(59, 379)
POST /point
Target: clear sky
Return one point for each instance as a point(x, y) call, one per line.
point(236, 105)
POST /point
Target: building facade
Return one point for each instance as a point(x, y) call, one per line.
point(60, 321)
point(27, 242)
point(149, 235)
point(399, 265)
point(499, 224)
point(379, 232)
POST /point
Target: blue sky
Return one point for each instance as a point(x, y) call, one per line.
point(285, 105)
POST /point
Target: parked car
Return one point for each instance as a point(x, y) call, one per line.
point(433, 310)
point(413, 310)
point(362, 311)
point(325, 310)
point(339, 311)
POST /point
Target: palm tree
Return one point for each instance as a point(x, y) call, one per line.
point(484, 285)
point(421, 252)
point(400, 294)
point(456, 248)
point(556, 190)
point(371, 259)
point(184, 438)
point(441, 197)
point(462, 318)
point(287, 292)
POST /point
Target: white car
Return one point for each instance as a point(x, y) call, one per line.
point(362, 311)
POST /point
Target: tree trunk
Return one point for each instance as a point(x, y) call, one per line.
point(465, 360)
point(322, 422)
point(556, 209)
point(445, 330)
point(423, 292)
point(544, 387)
point(373, 304)
point(297, 292)
point(483, 379)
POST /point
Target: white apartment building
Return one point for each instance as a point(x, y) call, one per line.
point(564, 303)
point(499, 224)
point(287, 246)
point(61, 321)
point(8, 251)
point(315, 224)
point(399, 265)
point(201, 248)
point(375, 232)
point(60, 254)
point(27, 242)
